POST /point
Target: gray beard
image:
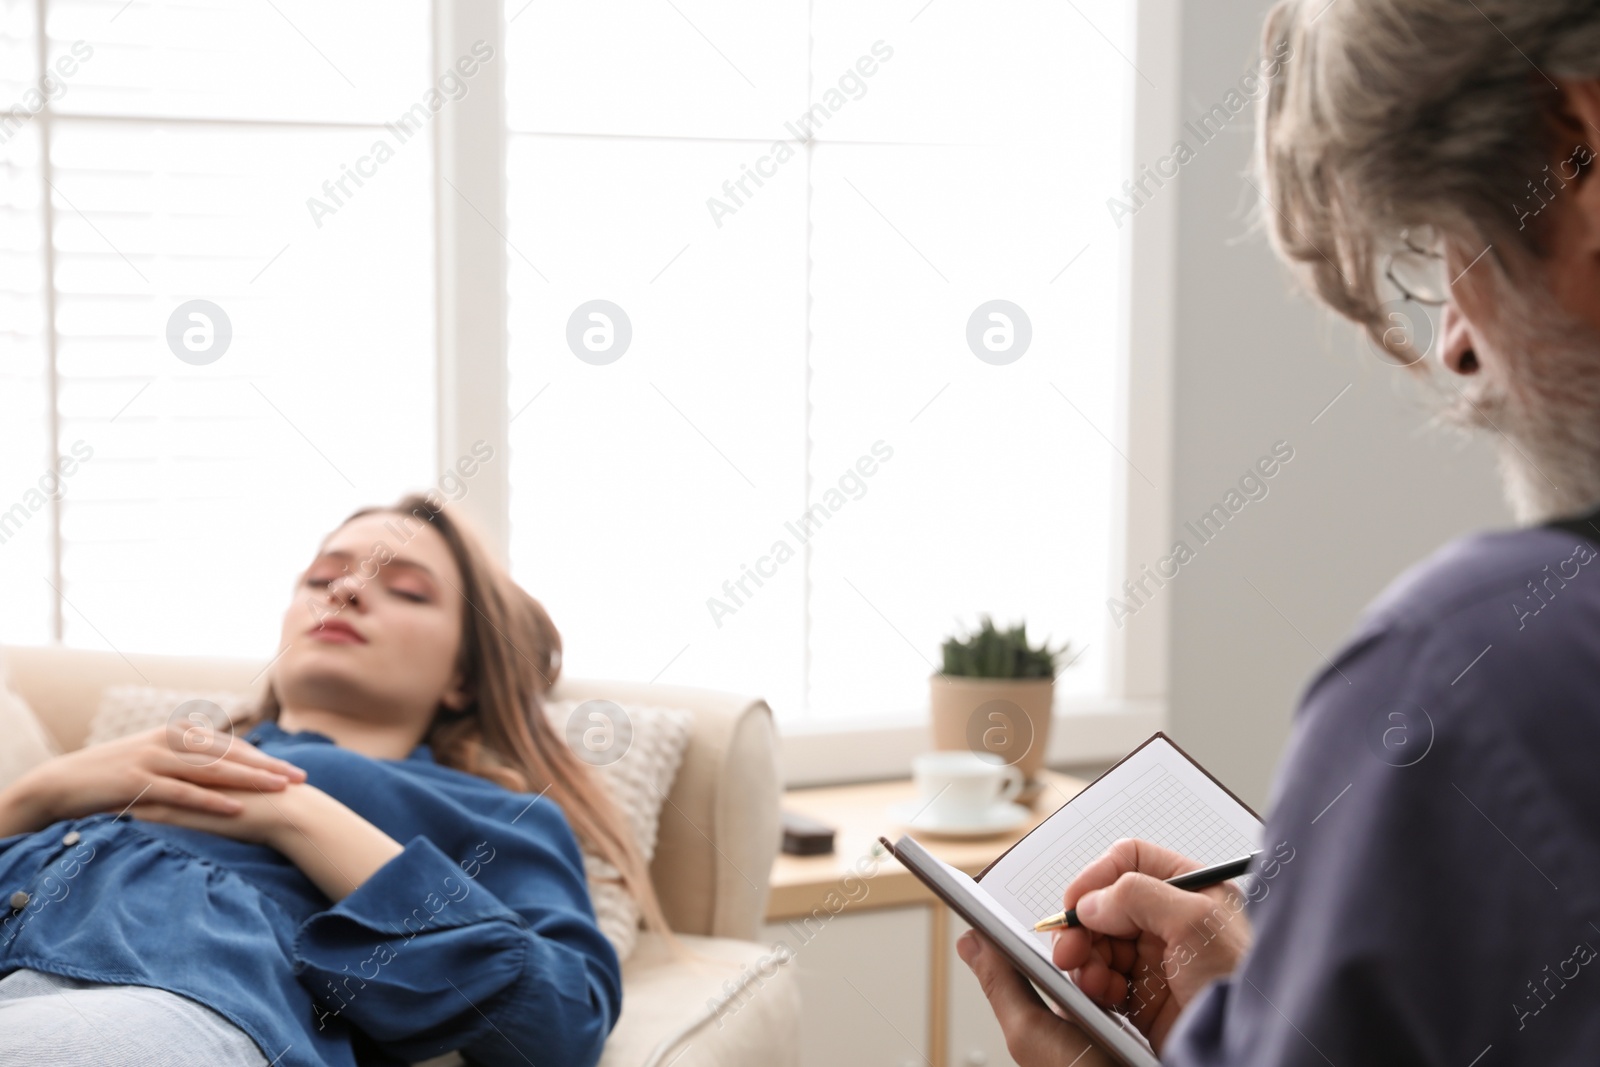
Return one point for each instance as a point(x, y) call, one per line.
point(1542, 408)
point(1534, 497)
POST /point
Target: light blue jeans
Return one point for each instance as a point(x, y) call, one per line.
point(47, 1019)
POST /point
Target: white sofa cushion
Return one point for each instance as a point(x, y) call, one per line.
point(735, 1003)
point(24, 742)
point(725, 1004)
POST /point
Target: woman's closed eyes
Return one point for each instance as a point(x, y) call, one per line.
point(403, 580)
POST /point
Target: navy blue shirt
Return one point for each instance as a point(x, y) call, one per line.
point(1440, 801)
point(479, 937)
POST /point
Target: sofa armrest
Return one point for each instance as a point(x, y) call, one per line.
point(719, 825)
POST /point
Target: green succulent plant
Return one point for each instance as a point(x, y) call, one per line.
point(989, 652)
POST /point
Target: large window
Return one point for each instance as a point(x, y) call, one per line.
point(800, 474)
point(201, 152)
point(815, 321)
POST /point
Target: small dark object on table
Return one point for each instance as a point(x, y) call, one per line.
point(805, 836)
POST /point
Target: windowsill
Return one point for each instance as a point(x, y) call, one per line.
point(1083, 730)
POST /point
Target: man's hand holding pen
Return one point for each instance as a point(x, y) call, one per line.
point(1144, 948)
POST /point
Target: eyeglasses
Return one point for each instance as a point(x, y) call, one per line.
point(1418, 274)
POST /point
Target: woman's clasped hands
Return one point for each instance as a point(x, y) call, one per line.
point(215, 782)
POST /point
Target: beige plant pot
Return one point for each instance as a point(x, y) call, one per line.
point(1009, 718)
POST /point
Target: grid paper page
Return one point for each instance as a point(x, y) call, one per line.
point(1156, 794)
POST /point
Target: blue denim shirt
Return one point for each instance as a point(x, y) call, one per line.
point(1441, 799)
point(479, 937)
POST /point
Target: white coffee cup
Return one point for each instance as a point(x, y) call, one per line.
point(963, 787)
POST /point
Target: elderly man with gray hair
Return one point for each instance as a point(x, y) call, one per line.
point(1446, 910)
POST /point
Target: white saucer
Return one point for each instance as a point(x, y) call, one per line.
point(999, 819)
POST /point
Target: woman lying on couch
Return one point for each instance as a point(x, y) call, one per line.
point(363, 878)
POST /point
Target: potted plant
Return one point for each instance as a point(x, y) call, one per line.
point(994, 696)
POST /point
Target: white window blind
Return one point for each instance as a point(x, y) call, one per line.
point(180, 156)
point(25, 551)
point(788, 333)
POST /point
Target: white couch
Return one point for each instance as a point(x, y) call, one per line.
point(718, 836)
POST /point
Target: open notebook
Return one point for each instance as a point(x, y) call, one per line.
point(1156, 793)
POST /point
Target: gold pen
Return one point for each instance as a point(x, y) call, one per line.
point(1200, 879)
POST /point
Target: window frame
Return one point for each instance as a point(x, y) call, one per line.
point(473, 376)
point(470, 143)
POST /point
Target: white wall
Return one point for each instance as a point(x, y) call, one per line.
point(1371, 489)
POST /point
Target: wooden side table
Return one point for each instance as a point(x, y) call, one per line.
point(855, 913)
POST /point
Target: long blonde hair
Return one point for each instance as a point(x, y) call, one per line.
point(510, 657)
